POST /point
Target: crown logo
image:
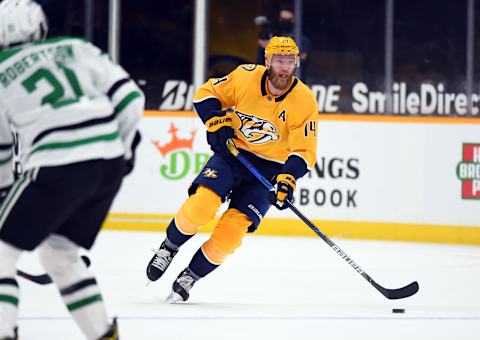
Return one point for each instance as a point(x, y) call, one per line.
point(176, 143)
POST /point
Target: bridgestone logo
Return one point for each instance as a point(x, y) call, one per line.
point(468, 171)
point(347, 259)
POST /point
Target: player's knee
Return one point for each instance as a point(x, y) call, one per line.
point(9, 255)
point(51, 260)
point(59, 257)
point(198, 209)
point(227, 236)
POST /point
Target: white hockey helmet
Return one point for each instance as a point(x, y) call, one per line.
point(21, 21)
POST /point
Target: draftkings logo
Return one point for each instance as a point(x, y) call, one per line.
point(468, 171)
point(179, 158)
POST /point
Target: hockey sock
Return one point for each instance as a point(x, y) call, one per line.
point(9, 297)
point(175, 238)
point(84, 302)
point(201, 265)
point(9, 290)
point(226, 237)
point(78, 287)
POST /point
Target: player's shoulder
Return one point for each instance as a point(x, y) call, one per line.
point(304, 92)
point(250, 69)
point(47, 44)
point(77, 47)
point(61, 40)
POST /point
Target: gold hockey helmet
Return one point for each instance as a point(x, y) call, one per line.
point(281, 45)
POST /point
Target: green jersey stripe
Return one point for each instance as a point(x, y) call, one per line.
point(6, 160)
point(13, 195)
point(79, 304)
point(8, 53)
point(9, 299)
point(71, 144)
point(127, 100)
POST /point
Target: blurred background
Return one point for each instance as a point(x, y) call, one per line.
point(398, 91)
point(389, 47)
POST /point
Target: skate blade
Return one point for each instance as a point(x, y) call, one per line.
point(174, 298)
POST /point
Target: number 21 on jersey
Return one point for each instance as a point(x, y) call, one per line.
point(56, 98)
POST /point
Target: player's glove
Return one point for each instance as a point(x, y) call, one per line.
point(283, 191)
point(219, 131)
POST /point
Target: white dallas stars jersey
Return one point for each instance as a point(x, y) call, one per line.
point(67, 102)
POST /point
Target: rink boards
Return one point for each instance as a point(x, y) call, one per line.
point(394, 178)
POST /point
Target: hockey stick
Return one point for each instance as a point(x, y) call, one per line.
point(45, 279)
point(392, 294)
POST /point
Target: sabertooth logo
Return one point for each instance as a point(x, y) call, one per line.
point(468, 171)
point(257, 130)
point(209, 173)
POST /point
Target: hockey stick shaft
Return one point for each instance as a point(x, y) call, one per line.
point(45, 279)
point(399, 293)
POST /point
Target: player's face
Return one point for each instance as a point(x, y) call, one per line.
point(281, 70)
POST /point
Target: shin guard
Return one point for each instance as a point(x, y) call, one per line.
point(226, 237)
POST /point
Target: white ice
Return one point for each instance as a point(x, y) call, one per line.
point(275, 288)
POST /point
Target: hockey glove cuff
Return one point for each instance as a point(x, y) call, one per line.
point(219, 131)
point(283, 191)
point(217, 122)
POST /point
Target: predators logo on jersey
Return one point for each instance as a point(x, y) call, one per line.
point(257, 130)
point(210, 173)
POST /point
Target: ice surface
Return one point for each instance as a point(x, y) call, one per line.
point(275, 288)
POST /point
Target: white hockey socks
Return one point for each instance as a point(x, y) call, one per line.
point(84, 301)
point(78, 287)
point(9, 290)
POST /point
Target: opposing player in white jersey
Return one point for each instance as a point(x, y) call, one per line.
point(75, 114)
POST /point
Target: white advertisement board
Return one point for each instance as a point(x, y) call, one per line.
point(386, 171)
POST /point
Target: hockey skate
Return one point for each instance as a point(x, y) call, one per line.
point(181, 286)
point(112, 333)
point(160, 262)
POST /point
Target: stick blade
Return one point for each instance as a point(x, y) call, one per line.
point(399, 293)
point(45, 279)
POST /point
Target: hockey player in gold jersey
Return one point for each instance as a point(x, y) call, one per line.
point(274, 125)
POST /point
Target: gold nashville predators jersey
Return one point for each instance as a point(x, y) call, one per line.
point(271, 127)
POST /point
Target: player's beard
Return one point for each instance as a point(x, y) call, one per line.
point(280, 80)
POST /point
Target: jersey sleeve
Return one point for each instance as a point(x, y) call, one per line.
point(216, 94)
point(113, 81)
point(302, 139)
